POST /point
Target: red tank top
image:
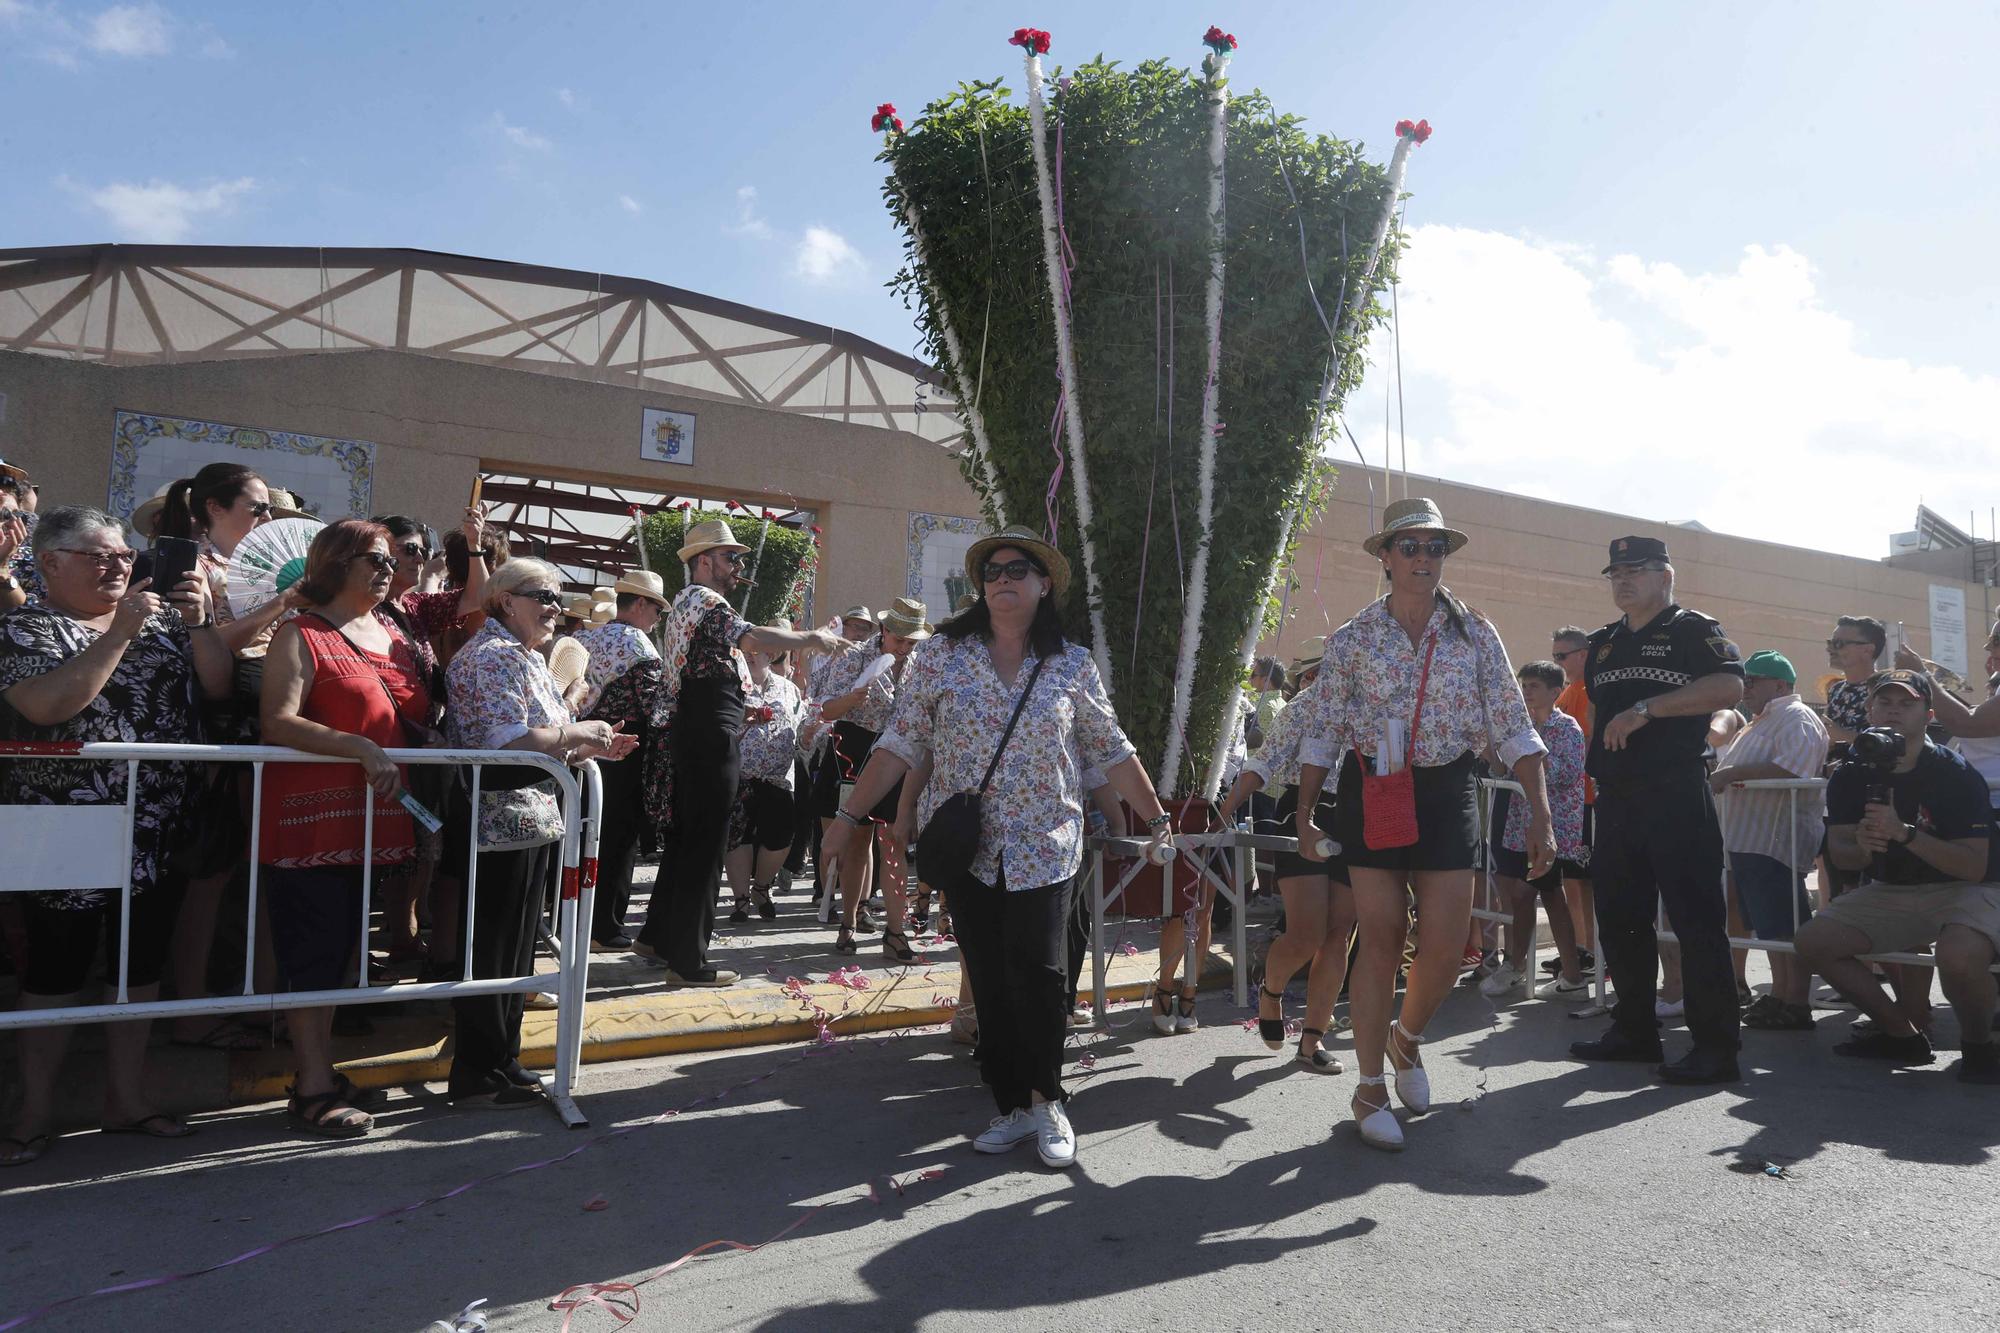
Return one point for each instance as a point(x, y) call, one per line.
point(312, 814)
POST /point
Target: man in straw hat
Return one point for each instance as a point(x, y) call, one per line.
point(621, 684)
point(703, 670)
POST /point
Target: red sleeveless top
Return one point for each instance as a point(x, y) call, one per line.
point(312, 814)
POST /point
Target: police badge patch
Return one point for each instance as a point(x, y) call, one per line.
point(1725, 650)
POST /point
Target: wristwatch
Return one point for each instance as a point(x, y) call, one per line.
point(841, 814)
point(1643, 708)
point(1909, 835)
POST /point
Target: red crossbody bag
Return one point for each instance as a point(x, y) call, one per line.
point(1389, 800)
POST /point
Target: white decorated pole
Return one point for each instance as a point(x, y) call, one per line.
point(1408, 135)
point(968, 404)
point(1032, 44)
point(1215, 66)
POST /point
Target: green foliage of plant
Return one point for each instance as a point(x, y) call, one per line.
point(785, 552)
point(1134, 177)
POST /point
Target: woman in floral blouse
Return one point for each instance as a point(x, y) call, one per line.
point(1012, 908)
point(99, 659)
point(1419, 670)
point(762, 825)
point(503, 698)
point(858, 717)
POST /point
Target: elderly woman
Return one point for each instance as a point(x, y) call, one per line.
point(503, 697)
point(858, 713)
point(761, 828)
point(1006, 658)
point(99, 659)
point(1423, 683)
point(341, 679)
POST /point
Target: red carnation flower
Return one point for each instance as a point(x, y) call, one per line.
point(682, 506)
point(1418, 130)
point(1030, 39)
point(885, 114)
point(1217, 40)
point(815, 531)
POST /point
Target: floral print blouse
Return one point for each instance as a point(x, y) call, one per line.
point(152, 696)
point(1564, 776)
point(771, 744)
point(952, 704)
point(500, 689)
point(701, 634)
point(1371, 671)
point(875, 708)
point(1276, 761)
point(614, 649)
point(1847, 704)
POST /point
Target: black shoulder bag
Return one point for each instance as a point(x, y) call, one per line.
point(949, 843)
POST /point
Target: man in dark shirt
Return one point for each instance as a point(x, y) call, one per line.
point(1924, 852)
point(1654, 678)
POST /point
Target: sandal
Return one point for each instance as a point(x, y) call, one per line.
point(158, 1125)
point(1413, 1083)
point(1317, 1060)
point(327, 1115)
point(1377, 1123)
point(1778, 1016)
point(227, 1035)
point(1185, 1021)
point(845, 944)
point(1163, 1011)
point(1272, 1030)
point(899, 951)
point(761, 897)
point(920, 913)
point(360, 1098)
point(740, 915)
point(23, 1152)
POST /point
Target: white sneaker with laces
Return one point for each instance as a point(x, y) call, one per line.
point(1008, 1131)
point(1558, 989)
point(1055, 1141)
point(1504, 981)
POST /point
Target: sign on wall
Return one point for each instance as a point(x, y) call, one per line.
point(667, 437)
point(1948, 627)
point(936, 573)
point(335, 478)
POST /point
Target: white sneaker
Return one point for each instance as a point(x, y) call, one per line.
point(1558, 989)
point(1669, 1008)
point(1504, 981)
point(1055, 1141)
point(1007, 1131)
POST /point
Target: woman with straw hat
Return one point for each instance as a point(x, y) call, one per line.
point(1411, 692)
point(858, 712)
point(763, 824)
point(704, 672)
point(1001, 704)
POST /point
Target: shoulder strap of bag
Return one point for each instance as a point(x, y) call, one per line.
point(1008, 734)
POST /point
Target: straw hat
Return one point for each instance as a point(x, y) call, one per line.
point(905, 616)
point(1416, 514)
point(8, 469)
point(595, 609)
point(1309, 654)
point(148, 512)
point(1022, 539)
point(710, 535)
point(287, 504)
point(644, 583)
point(858, 613)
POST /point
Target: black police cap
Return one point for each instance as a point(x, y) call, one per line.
point(1636, 551)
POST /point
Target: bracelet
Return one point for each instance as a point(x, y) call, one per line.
point(841, 814)
point(1158, 822)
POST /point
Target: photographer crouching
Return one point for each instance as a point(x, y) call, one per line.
point(1913, 817)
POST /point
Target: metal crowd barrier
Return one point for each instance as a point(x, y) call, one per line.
point(56, 848)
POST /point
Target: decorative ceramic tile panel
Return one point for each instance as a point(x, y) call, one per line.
point(336, 478)
point(936, 572)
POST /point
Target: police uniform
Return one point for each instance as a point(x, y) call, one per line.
point(1657, 837)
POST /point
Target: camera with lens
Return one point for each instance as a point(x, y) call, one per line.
point(1877, 750)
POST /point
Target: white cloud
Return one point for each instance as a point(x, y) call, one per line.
point(1734, 397)
point(824, 255)
point(131, 31)
point(161, 212)
point(629, 204)
point(214, 47)
point(566, 97)
point(520, 137)
point(748, 222)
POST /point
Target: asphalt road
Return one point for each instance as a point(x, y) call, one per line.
point(1217, 1187)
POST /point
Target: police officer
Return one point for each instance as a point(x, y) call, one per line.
point(1654, 677)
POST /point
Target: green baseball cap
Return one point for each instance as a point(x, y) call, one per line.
point(1772, 665)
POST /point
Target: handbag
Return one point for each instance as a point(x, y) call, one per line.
point(1389, 800)
point(949, 842)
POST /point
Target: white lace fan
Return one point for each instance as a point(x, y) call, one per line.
point(269, 561)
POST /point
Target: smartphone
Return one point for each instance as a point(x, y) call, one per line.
point(174, 558)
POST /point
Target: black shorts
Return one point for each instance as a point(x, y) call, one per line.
point(763, 818)
point(1447, 800)
point(63, 942)
point(1514, 865)
point(315, 922)
point(1291, 865)
point(844, 760)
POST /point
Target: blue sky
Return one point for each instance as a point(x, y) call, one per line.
point(1756, 207)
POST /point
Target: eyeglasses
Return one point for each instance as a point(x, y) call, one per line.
point(260, 509)
point(384, 563)
point(104, 559)
point(1437, 548)
point(1013, 570)
point(415, 550)
point(1837, 644)
point(544, 596)
point(1632, 571)
point(1572, 652)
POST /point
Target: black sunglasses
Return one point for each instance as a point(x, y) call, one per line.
point(546, 596)
point(415, 550)
point(260, 509)
point(1013, 570)
point(385, 563)
point(1847, 643)
point(1437, 548)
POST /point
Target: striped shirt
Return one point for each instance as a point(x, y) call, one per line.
point(1787, 733)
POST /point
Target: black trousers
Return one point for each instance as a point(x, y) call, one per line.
point(618, 844)
point(805, 830)
point(707, 759)
point(1013, 945)
point(1660, 843)
point(487, 1032)
point(1076, 939)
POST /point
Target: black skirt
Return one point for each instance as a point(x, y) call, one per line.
point(845, 758)
point(1447, 799)
point(1291, 865)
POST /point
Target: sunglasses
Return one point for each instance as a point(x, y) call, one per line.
point(1572, 652)
point(415, 550)
point(1408, 547)
point(385, 563)
point(260, 509)
point(1837, 644)
point(544, 596)
point(1013, 570)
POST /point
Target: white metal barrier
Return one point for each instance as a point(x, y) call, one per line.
point(44, 853)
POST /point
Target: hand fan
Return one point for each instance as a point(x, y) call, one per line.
point(874, 671)
point(268, 562)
